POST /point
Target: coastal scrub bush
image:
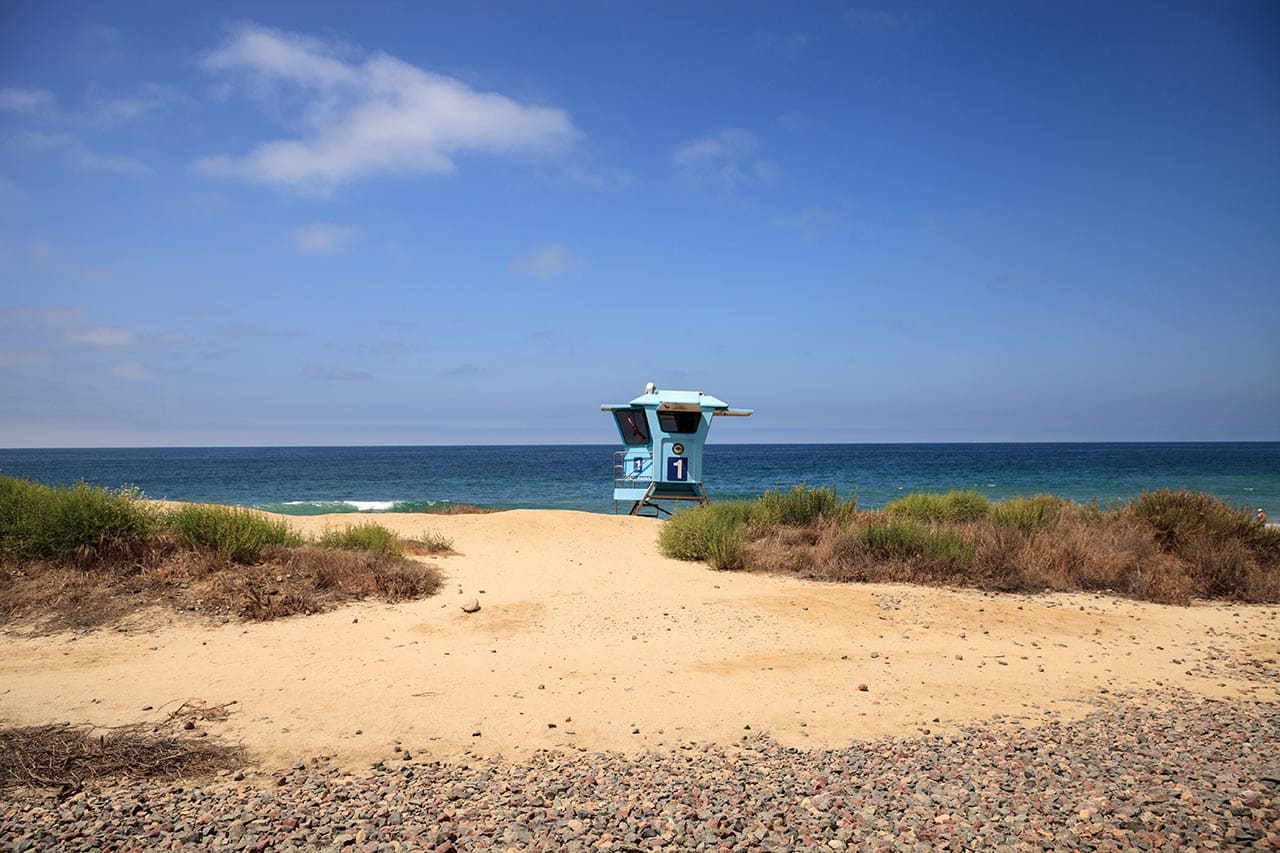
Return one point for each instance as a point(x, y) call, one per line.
point(82, 523)
point(801, 505)
point(1180, 517)
point(83, 556)
point(1167, 547)
point(430, 543)
point(714, 534)
point(954, 506)
point(905, 538)
point(1034, 513)
point(1227, 553)
point(369, 536)
point(236, 533)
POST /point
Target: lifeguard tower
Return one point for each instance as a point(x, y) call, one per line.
point(664, 433)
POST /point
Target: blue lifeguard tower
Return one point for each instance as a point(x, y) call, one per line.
point(664, 433)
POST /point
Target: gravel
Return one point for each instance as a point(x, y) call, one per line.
point(1172, 772)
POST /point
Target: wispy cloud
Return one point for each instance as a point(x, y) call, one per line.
point(812, 222)
point(131, 370)
point(45, 315)
point(610, 180)
point(103, 337)
point(245, 330)
point(546, 262)
point(463, 370)
point(324, 238)
point(19, 99)
point(326, 373)
point(726, 157)
point(370, 116)
point(79, 154)
point(148, 99)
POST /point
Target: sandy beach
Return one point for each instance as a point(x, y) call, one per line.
point(588, 639)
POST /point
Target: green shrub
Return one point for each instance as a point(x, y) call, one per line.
point(434, 543)
point(906, 538)
point(802, 505)
point(954, 506)
point(236, 533)
point(1181, 517)
point(84, 522)
point(714, 534)
point(1033, 513)
point(369, 536)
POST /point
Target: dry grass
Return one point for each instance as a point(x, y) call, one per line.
point(50, 596)
point(66, 757)
point(1167, 547)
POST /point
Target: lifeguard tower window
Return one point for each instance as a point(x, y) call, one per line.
point(679, 421)
point(632, 426)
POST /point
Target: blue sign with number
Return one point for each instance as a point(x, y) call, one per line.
point(677, 469)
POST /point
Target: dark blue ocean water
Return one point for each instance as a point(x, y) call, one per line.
point(304, 480)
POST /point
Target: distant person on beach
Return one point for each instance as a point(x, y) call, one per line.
point(1261, 517)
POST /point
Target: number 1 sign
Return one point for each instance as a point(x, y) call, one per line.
point(677, 469)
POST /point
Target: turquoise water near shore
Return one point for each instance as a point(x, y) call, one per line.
point(311, 480)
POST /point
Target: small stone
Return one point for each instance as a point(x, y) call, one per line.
point(471, 606)
point(863, 688)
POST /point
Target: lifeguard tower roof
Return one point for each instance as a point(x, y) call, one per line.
point(678, 401)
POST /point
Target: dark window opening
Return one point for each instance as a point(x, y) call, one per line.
point(633, 426)
point(679, 422)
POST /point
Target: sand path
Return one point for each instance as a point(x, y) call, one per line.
point(588, 638)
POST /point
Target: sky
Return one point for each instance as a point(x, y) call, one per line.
point(335, 223)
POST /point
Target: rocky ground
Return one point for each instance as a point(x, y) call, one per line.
point(1175, 772)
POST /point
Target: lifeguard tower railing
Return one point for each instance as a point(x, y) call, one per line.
point(644, 492)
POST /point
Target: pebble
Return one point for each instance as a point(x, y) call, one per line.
point(1183, 773)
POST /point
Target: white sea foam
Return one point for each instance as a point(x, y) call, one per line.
point(371, 506)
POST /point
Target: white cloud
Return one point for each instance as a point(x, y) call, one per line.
point(147, 99)
point(23, 100)
point(101, 336)
point(80, 155)
point(131, 370)
point(45, 315)
point(323, 238)
point(369, 117)
point(545, 262)
point(336, 374)
point(727, 157)
point(813, 222)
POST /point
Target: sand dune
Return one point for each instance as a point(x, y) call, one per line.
point(588, 638)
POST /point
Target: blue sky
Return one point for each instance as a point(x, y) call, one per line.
point(439, 223)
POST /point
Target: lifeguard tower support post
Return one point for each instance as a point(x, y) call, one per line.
point(664, 433)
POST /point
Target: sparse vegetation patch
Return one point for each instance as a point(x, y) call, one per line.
point(1166, 546)
point(82, 556)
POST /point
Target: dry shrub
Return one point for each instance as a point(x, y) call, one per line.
point(66, 757)
point(290, 581)
point(786, 549)
point(1065, 550)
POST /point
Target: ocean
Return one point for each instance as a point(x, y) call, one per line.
point(312, 480)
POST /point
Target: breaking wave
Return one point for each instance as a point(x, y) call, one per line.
point(326, 507)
